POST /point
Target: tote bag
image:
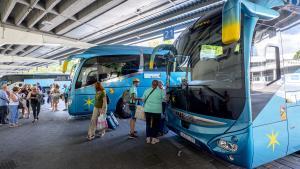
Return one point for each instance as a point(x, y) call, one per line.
point(140, 113)
point(101, 122)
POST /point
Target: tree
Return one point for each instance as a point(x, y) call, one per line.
point(297, 55)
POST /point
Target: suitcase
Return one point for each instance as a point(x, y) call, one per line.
point(115, 120)
point(110, 122)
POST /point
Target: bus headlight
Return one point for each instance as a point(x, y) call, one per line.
point(226, 145)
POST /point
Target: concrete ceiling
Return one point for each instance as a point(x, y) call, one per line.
point(90, 22)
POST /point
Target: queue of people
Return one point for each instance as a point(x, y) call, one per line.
point(19, 98)
point(54, 95)
point(17, 103)
point(153, 99)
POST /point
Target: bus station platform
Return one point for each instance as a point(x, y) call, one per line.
point(57, 141)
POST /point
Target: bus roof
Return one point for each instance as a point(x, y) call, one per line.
point(105, 50)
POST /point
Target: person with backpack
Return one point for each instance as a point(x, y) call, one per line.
point(153, 98)
point(4, 100)
point(100, 108)
point(23, 100)
point(132, 107)
point(13, 107)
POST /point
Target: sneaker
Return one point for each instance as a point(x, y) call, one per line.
point(102, 134)
point(132, 135)
point(154, 141)
point(148, 140)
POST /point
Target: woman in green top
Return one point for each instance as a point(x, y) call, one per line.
point(153, 98)
point(100, 107)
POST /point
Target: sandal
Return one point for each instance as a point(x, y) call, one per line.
point(90, 137)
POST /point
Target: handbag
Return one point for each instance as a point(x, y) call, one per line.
point(140, 113)
point(101, 122)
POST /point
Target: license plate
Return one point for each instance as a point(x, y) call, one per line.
point(189, 138)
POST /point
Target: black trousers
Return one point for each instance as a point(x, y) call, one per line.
point(36, 107)
point(152, 124)
point(3, 114)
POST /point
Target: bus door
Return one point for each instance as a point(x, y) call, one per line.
point(291, 52)
point(268, 94)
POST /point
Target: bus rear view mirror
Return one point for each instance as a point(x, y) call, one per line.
point(231, 21)
point(164, 48)
point(65, 66)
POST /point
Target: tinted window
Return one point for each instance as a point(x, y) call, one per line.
point(105, 68)
point(217, 83)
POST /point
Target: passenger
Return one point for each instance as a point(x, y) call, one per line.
point(164, 103)
point(49, 100)
point(55, 97)
point(33, 96)
point(39, 87)
point(100, 107)
point(23, 99)
point(66, 96)
point(132, 107)
point(153, 98)
point(4, 100)
point(13, 107)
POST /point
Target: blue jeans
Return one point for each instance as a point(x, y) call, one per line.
point(14, 114)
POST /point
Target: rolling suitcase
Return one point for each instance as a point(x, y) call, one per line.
point(113, 117)
point(111, 123)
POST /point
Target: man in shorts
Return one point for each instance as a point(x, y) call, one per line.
point(132, 106)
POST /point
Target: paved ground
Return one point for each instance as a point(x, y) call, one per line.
point(58, 142)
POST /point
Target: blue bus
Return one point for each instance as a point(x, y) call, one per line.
point(115, 66)
point(241, 100)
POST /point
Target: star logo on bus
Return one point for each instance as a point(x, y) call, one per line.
point(89, 102)
point(111, 91)
point(273, 140)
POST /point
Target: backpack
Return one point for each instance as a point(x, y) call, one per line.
point(126, 96)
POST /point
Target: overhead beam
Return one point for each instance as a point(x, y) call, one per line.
point(22, 14)
point(20, 59)
point(150, 22)
point(22, 37)
point(6, 7)
point(50, 4)
point(67, 8)
point(13, 67)
point(96, 8)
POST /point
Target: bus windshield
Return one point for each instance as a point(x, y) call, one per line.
point(216, 87)
point(105, 68)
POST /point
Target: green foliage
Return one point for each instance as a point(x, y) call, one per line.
point(297, 55)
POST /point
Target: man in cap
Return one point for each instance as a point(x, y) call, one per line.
point(132, 106)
